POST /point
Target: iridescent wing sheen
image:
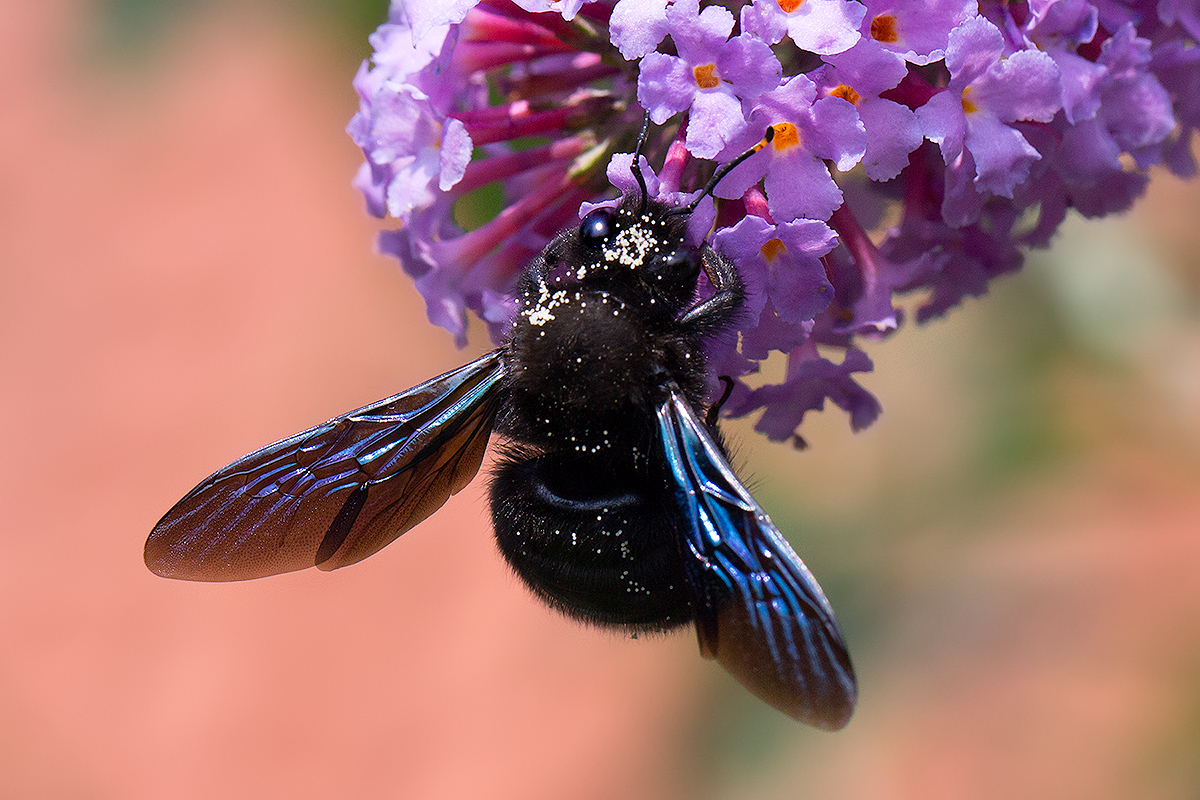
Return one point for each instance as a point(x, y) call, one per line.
point(336, 493)
point(759, 611)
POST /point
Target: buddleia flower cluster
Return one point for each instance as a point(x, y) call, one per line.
point(920, 147)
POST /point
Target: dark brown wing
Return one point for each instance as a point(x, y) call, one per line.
point(759, 611)
point(336, 493)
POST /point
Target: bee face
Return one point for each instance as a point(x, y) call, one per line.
point(639, 254)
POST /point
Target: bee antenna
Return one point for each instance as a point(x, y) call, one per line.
point(636, 168)
point(724, 170)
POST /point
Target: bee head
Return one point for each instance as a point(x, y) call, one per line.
point(636, 250)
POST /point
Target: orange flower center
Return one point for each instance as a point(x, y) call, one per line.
point(706, 77)
point(883, 29)
point(789, 6)
point(846, 93)
point(772, 249)
point(786, 135)
point(968, 106)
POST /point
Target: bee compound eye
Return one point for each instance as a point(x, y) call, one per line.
point(596, 226)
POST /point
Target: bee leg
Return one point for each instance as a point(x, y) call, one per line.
point(714, 411)
point(718, 311)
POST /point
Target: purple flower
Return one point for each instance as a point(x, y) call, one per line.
point(1116, 13)
point(421, 16)
point(781, 263)
point(949, 263)
point(637, 26)
point(1177, 67)
point(810, 380)
point(1058, 28)
point(420, 151)
point(398, 126)
point(818, 26)
point(567, 8)
point(1183, 12)
point(771, 332)
point(865, 281)
point(1136, 110)
point(453, 269)
point(792, 168)
point(711, 76)
point(860, 76)
point(974, 116)
point(917, 31)
point(1036, 109)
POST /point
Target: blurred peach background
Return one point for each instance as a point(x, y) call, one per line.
point(1014, 548)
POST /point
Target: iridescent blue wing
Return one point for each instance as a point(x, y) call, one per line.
point(759, 611)
point(336, 493)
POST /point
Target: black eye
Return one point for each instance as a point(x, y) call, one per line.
point(595, 226)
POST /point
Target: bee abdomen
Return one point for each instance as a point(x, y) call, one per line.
point(597, 544)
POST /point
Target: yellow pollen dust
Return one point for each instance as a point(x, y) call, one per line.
point(771, 249)
point(883, 29)
point(786, 135)
point(968, 106)
point(705, 77)
point(788, 6)
point(846, 93)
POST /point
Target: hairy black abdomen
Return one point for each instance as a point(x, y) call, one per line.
point(596, 543)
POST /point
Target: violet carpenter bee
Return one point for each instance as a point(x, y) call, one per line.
point(612, 496)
